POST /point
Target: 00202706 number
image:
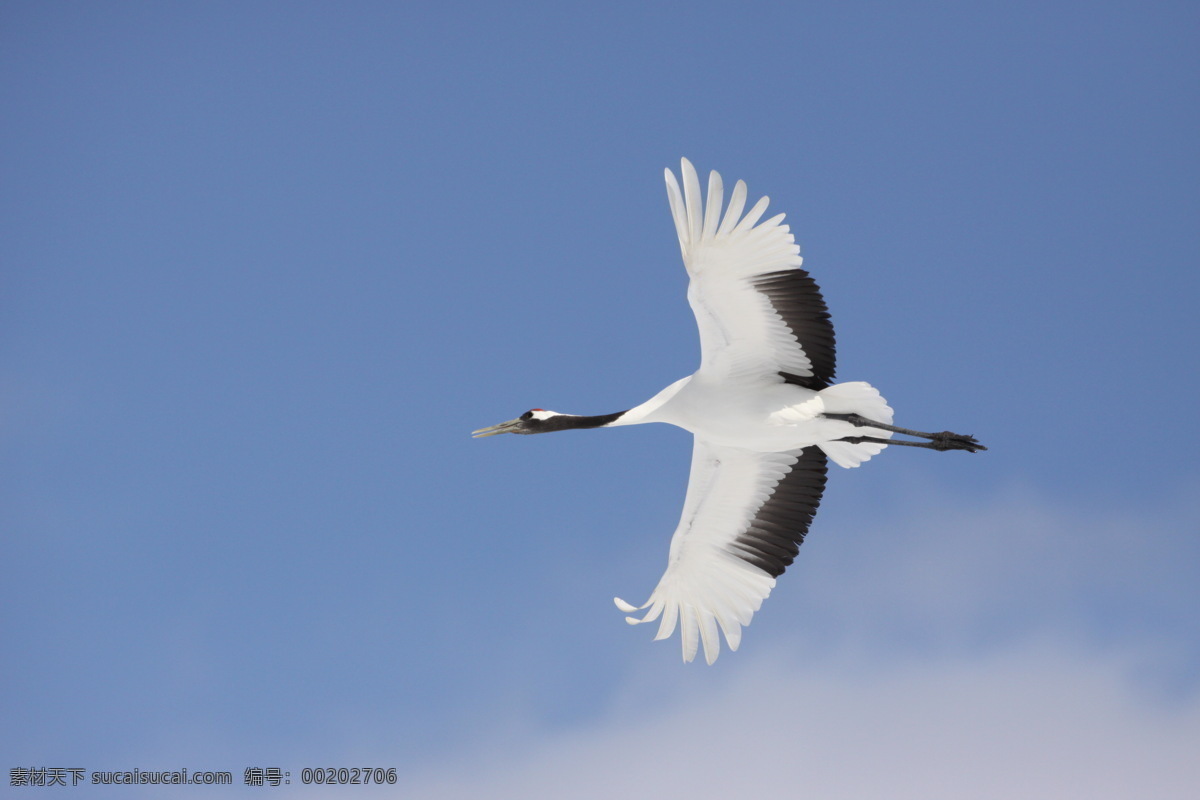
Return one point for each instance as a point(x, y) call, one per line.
point(348, 775)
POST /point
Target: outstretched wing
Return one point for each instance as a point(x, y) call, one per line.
point(744, 518)
point(760, 315)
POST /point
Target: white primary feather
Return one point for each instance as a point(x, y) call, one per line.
point(741, 335)
point(706, 585)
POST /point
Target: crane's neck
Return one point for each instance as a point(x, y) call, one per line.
point(652, 409)
point(567, 422)
point(646, 412)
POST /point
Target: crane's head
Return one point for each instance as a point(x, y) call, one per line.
point(536, 420)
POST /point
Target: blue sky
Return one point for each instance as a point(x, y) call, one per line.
point(264, 266)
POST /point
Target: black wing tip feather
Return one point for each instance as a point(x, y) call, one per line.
point(796, 297)
point(773, 538)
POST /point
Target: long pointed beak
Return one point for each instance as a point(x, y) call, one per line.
point(512, 426)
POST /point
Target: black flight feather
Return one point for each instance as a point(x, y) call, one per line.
point(796, 297)
point(773, 538)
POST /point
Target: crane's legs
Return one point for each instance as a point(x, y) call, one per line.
point(944, 440)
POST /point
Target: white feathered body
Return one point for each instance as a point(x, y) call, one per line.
point(770, 417)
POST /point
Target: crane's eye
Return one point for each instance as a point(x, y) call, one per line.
point(527, 415)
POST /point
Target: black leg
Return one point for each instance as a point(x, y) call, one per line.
point(944, 440)
point(936, 444)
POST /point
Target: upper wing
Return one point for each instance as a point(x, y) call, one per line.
point(744, 518)
point(758, 312)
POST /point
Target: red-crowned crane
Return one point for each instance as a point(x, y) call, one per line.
point(764, 411)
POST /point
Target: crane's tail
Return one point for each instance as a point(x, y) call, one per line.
point(855, 397)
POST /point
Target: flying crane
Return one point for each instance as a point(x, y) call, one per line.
point(764, 412)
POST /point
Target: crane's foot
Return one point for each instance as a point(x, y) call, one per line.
point(946, 440)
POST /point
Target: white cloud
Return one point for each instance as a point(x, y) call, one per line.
point(1035, 722)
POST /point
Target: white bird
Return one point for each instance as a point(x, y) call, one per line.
point(763, 410)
